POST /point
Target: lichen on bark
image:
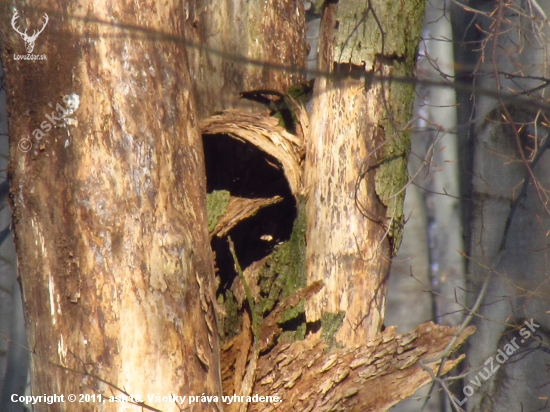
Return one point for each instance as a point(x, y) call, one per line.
point(362, 41)
point(230, 324)
point(390, 180)
point(282, 274)
point(359, 44)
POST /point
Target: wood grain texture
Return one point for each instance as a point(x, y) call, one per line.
point(109, 208)
point(355, 166)
point(257, 39)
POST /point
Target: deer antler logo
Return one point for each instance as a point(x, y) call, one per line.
point(29, 40)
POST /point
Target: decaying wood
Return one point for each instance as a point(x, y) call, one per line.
point(309, 375)
point(269, 331)
point(371, 377)
point(250, 375)
point(265, 134)
point(356, 163)
point(262, 35)
point(109, 206)
point(251, 274)
point(236, 354)
point(274, 99)
point(239, 209)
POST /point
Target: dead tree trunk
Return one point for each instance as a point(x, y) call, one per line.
point(264, 49)
point(356, 163)
point(108, 206)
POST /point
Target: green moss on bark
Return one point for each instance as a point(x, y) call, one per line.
point(283, 273)
point(359, 39)
point(392, 175)
point(382, 33)
point(216, 205)
point(285, 270)
point(330, 323)
point(230, 325)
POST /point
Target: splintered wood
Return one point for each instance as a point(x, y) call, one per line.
point(371, 377)
point(265, 134)
point(239, 209)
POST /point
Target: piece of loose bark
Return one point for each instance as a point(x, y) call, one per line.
point(239, 209)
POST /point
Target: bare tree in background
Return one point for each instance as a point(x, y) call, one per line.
point(508, 197)
point(501, 79)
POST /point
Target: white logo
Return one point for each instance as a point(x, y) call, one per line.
point(29, 40)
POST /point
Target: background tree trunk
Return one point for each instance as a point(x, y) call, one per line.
point(109, 208)
point(510, 218)
point(430, 255)
point(263, 48)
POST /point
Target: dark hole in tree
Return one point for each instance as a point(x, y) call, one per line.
point(246, 171)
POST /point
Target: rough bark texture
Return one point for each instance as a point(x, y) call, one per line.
point(356, 159)
point(116, 268)
point(255, 38)
point(108, 208)
point(293, 371)
point(369, 377)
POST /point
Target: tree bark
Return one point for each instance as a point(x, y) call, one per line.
point(373, 376)
point(109, 207)
point(117, 274)
point(263, 48)
point(356, 159)
point(14, 357)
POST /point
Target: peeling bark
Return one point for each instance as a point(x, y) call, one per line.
point(238, 209)
point(116, 268)
point(264, 133)
point(369, 377)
